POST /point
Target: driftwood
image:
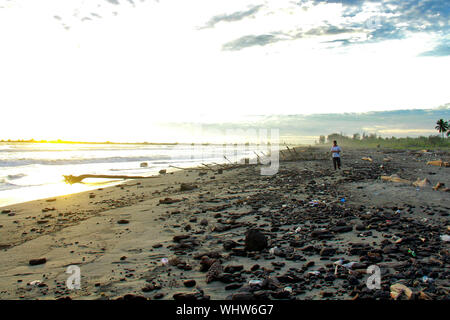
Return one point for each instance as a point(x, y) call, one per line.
point(76, 179)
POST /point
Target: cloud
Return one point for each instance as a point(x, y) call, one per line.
point(250, 41)
point(441, 50)
point(235, 16)
point(379, 20)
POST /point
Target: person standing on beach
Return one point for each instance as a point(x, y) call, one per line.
point(336, 153)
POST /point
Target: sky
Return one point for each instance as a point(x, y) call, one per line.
point(120, 70)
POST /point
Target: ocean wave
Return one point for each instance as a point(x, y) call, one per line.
point(27, 161)
point(5, 185)
point(16, 176)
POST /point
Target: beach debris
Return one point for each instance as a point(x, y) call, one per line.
point(255, 282)
point(144, 165)
point(440, 186)
point(214, 272)
point(164, 261)
point(398, 288)
point(187, 187)
point(395, 178)
point(367, 159)
point(162, 171)
point(169, 201)
point(327, 251)
point(422, 182)
point(337, 264)
point(315, 202)
point(189, 283)
point(123, 221)
point(445, 238)
point(35, 262)
point(255, 240)
point(424, 296)
point(77, 179)
point(439, 163)
point(287, 289)
point(37, 283)
point(229, 244)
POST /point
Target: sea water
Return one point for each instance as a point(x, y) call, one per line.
point(30, 171)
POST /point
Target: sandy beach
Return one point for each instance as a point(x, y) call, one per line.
point(308, 216)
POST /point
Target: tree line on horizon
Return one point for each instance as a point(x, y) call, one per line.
point(374, 140)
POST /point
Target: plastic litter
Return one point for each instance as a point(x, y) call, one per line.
point(349, 265)
point(287, 289)
point(314, 203)
point(338, 263)
point(255, 282)
point(298, 229)
point(35, 283)
point(342, 200)
point(426, 279)
point(445, 237)
point(411, 252)
point(316, 273)
point(164, 261)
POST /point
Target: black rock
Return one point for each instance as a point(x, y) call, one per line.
point(327, 251)
point(35, 262)
point(233, 286)
point(189, 283)
point(243, 296)
point(255, 240)
point(229, 244)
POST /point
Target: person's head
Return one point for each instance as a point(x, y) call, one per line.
point(334, 143)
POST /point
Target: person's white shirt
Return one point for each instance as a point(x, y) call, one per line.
point(336, 154)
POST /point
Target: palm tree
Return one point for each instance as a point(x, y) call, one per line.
point(441, 126)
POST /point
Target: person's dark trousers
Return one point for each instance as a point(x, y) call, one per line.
point(337, 162)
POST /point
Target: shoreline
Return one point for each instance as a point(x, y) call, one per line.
point(119, 235)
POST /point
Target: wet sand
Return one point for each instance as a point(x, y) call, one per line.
point(119, 235)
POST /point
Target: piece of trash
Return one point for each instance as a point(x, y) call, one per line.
point(445, 237)
point(164, 261)
point(342, 200)
point(298, 229)
point(288, 289)
point(426, 279)
point(338, 263)
point(411, 252)
point(35, 283)
point(272, 250)
point(398, 288)
point(314, 203)
point(316, 273)
point(349, 265)
point(255, 282)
